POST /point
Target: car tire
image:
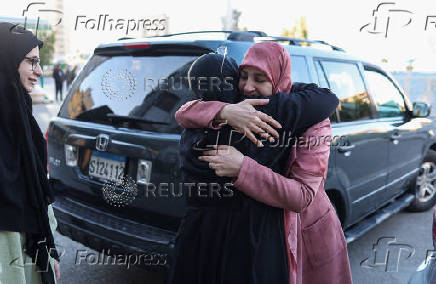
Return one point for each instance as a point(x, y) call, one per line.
point(424, 185)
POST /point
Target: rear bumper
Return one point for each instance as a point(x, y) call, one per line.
point(111, 234)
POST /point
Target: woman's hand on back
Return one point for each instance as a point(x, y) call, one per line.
point(244, 118)
point(224, 159)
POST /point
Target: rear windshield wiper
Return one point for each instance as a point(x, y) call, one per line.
point(122, 118)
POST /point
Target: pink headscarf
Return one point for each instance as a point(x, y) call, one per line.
point(272, 59)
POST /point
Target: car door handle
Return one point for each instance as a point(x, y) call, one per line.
point(395, 136)
point(344, 149)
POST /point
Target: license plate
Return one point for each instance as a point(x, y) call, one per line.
point(107, 166)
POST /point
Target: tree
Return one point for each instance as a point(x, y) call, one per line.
point(299, 30)
point(47, 51)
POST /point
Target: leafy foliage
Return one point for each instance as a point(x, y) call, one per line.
point(47, 51)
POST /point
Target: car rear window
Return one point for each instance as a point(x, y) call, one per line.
point(145, 87)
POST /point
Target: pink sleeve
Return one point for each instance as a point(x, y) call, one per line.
point(307, 172)
point(199, 114)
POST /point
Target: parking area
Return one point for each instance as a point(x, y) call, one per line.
point(389, 253)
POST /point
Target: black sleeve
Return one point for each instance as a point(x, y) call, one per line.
point(317, 103)
point(306, 105)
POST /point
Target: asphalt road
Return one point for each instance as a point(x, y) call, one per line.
point(401, 244)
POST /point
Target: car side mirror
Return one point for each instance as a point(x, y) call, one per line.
point(421, 109)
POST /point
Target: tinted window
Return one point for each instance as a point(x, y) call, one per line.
point(146, 87)
point(345, 81)
point(388, 98)
point(299, 71)
point(322, 79)
point(321, 76)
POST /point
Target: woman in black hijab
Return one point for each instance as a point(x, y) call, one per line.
point(226, 236)
point(26, 217)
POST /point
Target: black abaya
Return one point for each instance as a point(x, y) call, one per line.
point(225, 240)
point(24, 188)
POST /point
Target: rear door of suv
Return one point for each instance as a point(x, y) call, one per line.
point(117, 122)
point(362, 152)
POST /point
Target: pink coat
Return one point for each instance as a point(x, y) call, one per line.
point(317, 250)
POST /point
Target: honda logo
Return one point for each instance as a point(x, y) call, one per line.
point(102, 142)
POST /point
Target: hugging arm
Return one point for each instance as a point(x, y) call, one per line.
point(306, 174)
point(242, 116)
point(199, 114)
point(306, 105)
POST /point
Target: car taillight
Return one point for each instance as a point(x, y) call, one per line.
point(137, 45)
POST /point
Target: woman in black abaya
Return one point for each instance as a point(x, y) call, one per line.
point(27, 250)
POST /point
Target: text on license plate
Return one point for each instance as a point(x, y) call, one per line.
point(107, 166)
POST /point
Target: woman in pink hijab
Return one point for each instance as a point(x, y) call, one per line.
point(315, 245)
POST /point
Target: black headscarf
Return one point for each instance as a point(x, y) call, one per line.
point(215, 77)
point(24, 188)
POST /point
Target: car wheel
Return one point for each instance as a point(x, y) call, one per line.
point(425, 184)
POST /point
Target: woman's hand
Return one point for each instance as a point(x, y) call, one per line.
point(57, 270)
point(244, 118)
point(225, 160)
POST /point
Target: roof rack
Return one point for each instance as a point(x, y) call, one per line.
point(233, 35)
point(257, 35)
point(124, 38)
point(298, 41)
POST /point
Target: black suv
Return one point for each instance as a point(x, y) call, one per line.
point(113, 148)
